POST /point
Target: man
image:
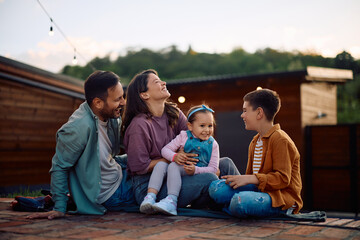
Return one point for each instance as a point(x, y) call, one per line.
point(85, 163)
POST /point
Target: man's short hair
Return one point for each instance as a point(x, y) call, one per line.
point(98, 83)
point(267, 99)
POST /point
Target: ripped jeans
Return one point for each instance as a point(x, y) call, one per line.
point(244, 201)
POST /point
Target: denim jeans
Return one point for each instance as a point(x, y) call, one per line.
point(194, 189)
point(123, 197)
point(244, 201)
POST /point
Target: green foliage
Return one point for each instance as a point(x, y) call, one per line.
point(349, 94)
point(174, 64)
point(23, 192)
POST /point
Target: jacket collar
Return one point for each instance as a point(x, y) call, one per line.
point(272, 130)
point(88, 109)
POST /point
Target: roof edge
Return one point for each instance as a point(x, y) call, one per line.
point(37, 71)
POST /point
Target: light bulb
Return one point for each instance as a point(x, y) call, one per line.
point(51, 32)
point(74, 61)
point(181, 99)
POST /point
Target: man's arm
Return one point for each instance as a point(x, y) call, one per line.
point(69, 146)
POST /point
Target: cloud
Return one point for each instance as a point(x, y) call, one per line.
point(54, 56)
point(355, 51)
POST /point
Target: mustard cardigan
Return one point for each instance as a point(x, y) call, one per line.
point(279, 173)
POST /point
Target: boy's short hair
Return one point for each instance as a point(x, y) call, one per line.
point(267, 99)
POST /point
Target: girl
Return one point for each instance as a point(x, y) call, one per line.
point(198, 139)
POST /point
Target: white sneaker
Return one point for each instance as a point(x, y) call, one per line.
point(166, 206)
point(147, 205)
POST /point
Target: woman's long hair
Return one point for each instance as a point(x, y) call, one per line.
point(135, 104)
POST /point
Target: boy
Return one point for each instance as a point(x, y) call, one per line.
point(272, 183)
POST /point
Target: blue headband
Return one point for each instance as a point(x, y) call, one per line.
point(203, 107)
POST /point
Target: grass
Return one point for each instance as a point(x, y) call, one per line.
point(23, 192)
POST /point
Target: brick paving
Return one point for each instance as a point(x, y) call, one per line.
point(120, 225)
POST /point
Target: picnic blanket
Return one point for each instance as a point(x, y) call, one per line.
point(45, 203)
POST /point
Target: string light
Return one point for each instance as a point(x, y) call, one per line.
point(66, 38)
point(51, 32)
point(75, 61)
point(181, 99)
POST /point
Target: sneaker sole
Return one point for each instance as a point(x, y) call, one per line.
point(147, 209)
point(159, 209)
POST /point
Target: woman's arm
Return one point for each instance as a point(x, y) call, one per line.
point(168, 152)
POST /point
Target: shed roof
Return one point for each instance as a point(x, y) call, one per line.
point(26, 74)
point(311, 73)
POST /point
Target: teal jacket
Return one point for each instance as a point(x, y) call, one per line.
point(76, 163)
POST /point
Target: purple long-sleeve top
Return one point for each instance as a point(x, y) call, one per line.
point(145, 137)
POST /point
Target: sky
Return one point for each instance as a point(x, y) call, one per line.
point(97, 28)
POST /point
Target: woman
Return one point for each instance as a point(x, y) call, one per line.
point(150, 122)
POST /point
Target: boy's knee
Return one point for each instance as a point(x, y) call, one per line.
point(214, 187)
point(220, 192)
point(238, 204)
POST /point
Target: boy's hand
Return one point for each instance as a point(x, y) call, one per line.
point(236, 181)
point(49, 215)
point(189, 169)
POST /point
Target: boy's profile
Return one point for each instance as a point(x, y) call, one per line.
point(272, 183)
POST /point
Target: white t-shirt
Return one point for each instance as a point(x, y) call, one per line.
point(258, 156)
point(111, 174)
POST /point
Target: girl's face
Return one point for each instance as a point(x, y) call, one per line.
point(156, 88)
point(203, 125)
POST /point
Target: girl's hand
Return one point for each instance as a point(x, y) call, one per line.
point(189, 169)
point(236, 181)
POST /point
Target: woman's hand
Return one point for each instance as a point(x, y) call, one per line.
point(183, 158)
point(180, 158)
point(154, 162)
point(189, 169)
point(236, 181)
point(49, 215)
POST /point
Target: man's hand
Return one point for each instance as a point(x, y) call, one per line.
point(49, 215)
point(189, 169)
point(236, 181)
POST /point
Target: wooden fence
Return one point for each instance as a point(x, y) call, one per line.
point(332, 168)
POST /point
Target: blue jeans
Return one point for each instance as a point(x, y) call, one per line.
point(123, 197)
point(244, 201)
point(194, 189)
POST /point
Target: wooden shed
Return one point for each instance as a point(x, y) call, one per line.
point(34, 104)
point(308, 98)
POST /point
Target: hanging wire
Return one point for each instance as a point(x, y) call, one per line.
point(63, 34)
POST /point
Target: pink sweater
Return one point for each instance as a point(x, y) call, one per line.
point(168, 152)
